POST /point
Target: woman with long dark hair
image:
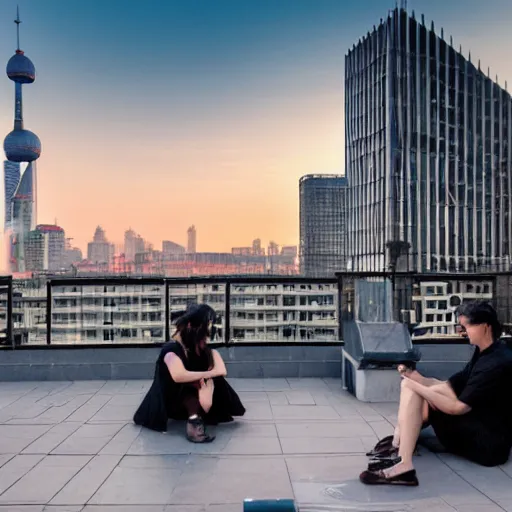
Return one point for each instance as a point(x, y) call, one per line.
point(470, 413)
point(189, 381)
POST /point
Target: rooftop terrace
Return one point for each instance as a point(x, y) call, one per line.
point(71, 446)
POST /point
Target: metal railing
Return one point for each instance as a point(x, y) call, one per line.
point(130, 311)
point(106, 311)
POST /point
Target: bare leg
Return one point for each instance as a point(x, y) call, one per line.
point(411, 415)
point(206, 395)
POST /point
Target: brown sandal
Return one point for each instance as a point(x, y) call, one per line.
point(408, 478)
point(382, 447)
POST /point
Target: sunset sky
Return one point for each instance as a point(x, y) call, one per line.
point(159, 114)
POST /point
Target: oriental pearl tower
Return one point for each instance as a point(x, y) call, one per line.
point(20, 146)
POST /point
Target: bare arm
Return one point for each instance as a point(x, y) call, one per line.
point(180, 374)
point(447, 404)
point(219, 368)
point(429, 382)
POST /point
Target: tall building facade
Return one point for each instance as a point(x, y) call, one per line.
point(133, 244)
point(322, 224)
point(100, 250)
point(21, 145)
point(170, 247)
point(11, 182)
point(428, 154)
point(45, 247)
point(191, 240)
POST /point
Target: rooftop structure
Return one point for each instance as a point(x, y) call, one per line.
point(73, 444)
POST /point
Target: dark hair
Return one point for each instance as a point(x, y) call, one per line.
point(480, 312)
point(193, 327)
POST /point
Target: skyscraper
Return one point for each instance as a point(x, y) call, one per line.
point(133, 244)
point(44, 248)
point(11, 182)
point(21, 145)
point(191, 240)
point(100, 250)
point(428, 154)
point(322, 205)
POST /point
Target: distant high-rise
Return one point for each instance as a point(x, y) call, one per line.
point(21, 145)
point(428, 154)
point(100, 250)
point(322, 224)
point(133, 244)
point(45, 248)
point(169, 247)
point(257, 250)
point(191, 240)
point(11, 182)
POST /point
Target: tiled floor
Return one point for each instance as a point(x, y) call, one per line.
point(69, 447)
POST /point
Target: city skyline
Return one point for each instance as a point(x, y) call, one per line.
point(247, 98)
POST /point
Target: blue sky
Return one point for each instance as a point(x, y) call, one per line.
point(141, 105)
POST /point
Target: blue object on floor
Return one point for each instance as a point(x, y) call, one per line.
point(285, 505)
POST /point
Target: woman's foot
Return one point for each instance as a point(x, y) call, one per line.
point(393, 472)
point(196, 431)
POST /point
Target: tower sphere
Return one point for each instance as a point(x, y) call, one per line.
point(20, 68)
point(22, 146)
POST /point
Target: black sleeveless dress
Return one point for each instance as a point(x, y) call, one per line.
point(163, 400)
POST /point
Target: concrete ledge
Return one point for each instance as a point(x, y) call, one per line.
point(443, 360)
point(139, 363)
point(263, 361)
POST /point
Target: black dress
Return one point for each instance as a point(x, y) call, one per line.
point(164, 398)
point(484, 435)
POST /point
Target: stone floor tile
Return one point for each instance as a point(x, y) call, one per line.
point(88, 439)
point(248, 397)
point(6, 457)
point(63, 508)
point(298, 412)
point(258, 411)
point(114, 413)
point(45, 480)
point(51, 439)
point(14, 438)
point(277, 398)
point(234, 480)
point(90, 408)
point(256, 446)
point(324, 429)
point(82, 486)
point(300, 398)
point(314, 445)
point(22, 508)
point(122, 441)
point(124, 508)
point(16, 468)
point(137, 486)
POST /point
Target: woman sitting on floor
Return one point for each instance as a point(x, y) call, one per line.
point(189, 381)
point(470, 413)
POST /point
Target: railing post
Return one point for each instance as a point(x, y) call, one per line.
point(227, 313)
point(167, 312)
point(340, 307)
point(49, 312)
point(9, 313)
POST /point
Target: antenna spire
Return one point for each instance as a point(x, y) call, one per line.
point(18, 21)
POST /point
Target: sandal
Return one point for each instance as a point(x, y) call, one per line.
point(382, 447)
point(383, 463)
point(196, 432)
point(408, 478)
